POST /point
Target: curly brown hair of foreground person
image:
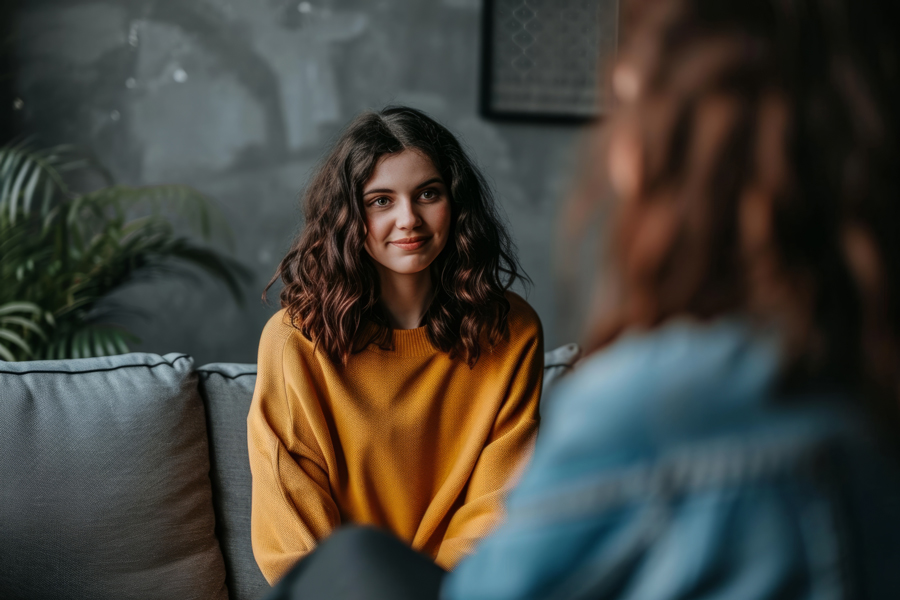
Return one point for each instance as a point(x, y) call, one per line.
point(768, 177)
point(331, 287)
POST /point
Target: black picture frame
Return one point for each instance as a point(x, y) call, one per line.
point(534, 65)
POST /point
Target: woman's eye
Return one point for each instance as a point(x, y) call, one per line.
point(429, 195)
point(381, 201)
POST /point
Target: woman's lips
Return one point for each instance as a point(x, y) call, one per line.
point(413, 243)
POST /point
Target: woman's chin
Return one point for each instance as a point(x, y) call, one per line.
point(405, 268)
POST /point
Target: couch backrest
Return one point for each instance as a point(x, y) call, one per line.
point(104, 485)
point(227, 389)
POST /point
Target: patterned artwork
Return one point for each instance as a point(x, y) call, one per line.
point(544, 58)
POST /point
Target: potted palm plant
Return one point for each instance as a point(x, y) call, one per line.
point(63, 253)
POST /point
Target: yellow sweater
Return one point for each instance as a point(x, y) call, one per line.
point(407, 440)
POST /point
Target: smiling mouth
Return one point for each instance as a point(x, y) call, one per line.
point(412, 243)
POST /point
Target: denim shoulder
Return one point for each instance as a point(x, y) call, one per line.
point(651, 390)
point(670, 466)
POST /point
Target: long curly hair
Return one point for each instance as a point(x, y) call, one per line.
point(331, 287)
point(768, 182)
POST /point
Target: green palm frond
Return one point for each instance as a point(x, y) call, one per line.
point(29, 179)
point(88, 340)
point(16, 320)
point(8, 352)
point(65, 253)
point(11, 308)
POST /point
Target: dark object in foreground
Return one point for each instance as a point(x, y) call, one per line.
point(356, 563)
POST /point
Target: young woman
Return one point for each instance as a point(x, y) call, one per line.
point(399, 385)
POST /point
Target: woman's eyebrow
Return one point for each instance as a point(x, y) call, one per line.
point(390, 191)
point(430, 181)
point(378, 191)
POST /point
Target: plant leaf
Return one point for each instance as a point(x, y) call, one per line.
point(16, 339)
point(6, 354)
point(19, 307)
point(48, 196)
point(97, 348)
point(74, 346)
point(7, 175)
point(25, 323)
point(84, 342)
point(120, 344)
point(64, 253)
point(51, 352)
point(16, 188)
point(29, 189)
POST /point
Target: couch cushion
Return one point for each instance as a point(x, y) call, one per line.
point(227, 390)
point(557, 363)
point(104, 484)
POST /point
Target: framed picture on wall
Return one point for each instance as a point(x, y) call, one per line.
point(542, 59)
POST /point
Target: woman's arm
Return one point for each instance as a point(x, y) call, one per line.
point(507, 449)
point(292, 505)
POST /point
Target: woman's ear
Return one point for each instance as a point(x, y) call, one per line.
point(625, 162)
point(626, 82)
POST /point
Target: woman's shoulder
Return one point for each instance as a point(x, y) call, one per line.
point(279, 326)
point(281, 335)
point(523, 319)
point(681, 357)
point(677, 381)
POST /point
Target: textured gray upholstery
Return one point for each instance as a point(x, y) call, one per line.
point(227, 389)
point(557, 363)
point(104, 484)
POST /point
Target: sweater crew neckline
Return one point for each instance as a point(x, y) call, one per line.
point(409, 342)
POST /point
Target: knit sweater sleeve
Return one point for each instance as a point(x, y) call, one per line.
point(508, 448)
point(292, 506)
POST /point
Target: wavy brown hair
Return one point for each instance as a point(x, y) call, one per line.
point(765, 178)
point(331, 287)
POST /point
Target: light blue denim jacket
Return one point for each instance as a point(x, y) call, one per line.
point(669, 467)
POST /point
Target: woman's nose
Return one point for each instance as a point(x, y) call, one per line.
point(408, 215)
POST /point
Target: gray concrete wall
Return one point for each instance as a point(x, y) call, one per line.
point(239, 99)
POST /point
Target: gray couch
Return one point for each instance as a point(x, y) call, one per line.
point(127, 477)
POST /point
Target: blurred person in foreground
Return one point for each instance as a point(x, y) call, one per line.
point(735, 433)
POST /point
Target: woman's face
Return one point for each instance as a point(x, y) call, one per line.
point(407, 213)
